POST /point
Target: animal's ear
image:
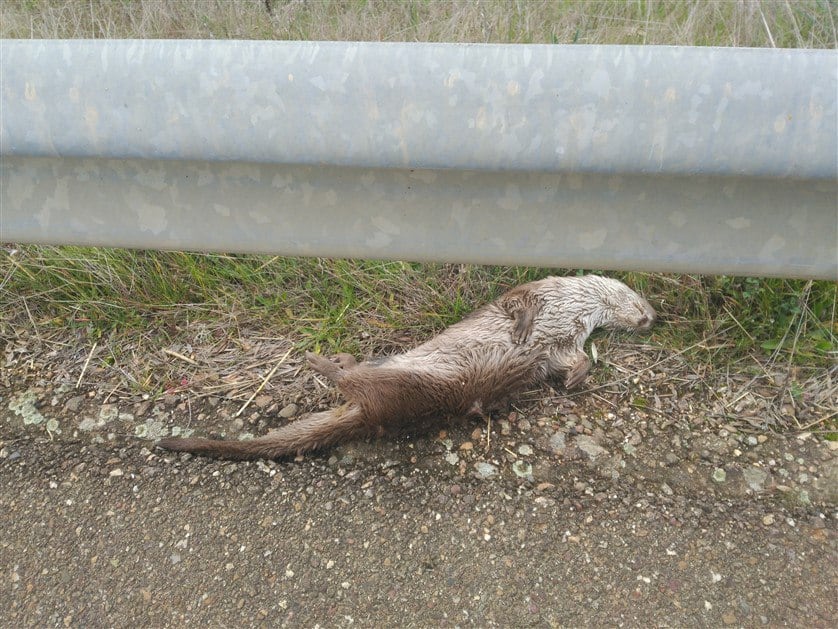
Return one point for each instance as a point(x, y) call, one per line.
point(522, 307)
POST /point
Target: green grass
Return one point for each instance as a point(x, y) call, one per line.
point(777, 23)
point(328, 303)
point(355, 305)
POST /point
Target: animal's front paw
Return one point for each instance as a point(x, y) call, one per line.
point(577, 372)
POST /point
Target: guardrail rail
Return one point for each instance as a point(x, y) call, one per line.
point(655, 158)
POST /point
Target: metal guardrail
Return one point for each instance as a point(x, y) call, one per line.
point(617, 157)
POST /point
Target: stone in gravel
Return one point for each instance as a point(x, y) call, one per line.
point(719, 475)
point(768, 520)
point(288, 411)
point(262, 401)
point(88, 423)
point(522, 470)
point(587, 445)
point(755, 477)
point(151, 429)
point(24, 405)
point(557, 443)
point(74, 403)
point(751, 440)
point(142, 407)
point(452, 458)
point(467, 445)
point(524, 450)
point(485, 470)
point(108, 412)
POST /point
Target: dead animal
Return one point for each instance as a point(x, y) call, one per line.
point(532, 333)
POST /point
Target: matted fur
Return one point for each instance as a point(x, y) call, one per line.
point(531, 333)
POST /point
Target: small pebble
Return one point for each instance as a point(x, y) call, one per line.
point(485, 470)
point(557, 443)
point(288, 411)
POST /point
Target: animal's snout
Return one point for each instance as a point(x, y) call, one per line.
point(647, 316)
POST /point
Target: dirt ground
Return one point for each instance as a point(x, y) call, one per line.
point(652, 496)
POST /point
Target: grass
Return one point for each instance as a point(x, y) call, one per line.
point(776, 23)
point(372, 306)
point(328, 304)
point(336, 304)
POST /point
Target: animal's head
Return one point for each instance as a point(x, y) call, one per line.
point(623, 309)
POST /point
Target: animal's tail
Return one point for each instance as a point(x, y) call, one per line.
point(314, 431)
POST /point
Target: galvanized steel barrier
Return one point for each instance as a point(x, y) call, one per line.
point(711, 160)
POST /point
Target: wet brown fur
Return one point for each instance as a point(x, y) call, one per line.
point(534, 332)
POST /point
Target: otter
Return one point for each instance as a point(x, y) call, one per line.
point(532, 333)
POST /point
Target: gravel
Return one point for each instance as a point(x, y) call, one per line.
point(571, 510)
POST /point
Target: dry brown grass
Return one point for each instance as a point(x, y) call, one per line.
point(780, 23)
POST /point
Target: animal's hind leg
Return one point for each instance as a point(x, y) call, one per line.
point(334, 368)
